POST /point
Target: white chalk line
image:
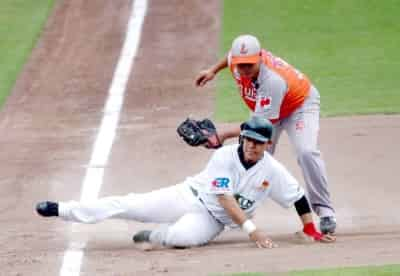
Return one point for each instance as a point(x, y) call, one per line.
point(93, 179)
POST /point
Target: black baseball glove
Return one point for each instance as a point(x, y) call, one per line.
point(199, 133)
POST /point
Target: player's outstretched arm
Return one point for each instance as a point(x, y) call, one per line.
point(225, 134)
point(206, 75)
point(230, 205)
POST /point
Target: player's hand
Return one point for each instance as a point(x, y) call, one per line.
point(220, 137)
point(261, 239)
point(204, 77)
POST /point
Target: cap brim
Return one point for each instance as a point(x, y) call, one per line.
point(254, 135)
point(246, 59)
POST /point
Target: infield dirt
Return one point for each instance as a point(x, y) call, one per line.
point(50, 121)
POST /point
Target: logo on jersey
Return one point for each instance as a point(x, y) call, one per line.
point(244, 203)
point(220, 184)
point(249, 93)
point(265, 102)
point(247, 88)
point(263, 185)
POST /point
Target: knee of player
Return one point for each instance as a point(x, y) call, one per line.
point(187, 239)
point(306, 153)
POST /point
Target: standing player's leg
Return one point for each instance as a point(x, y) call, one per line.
point(302, 128)
point(278, 127)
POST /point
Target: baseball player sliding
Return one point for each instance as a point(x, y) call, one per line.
point(226, 192)
point(275, 90)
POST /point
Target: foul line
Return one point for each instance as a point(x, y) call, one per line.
point(102, 147)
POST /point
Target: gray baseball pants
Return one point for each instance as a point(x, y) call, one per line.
point(302, 127)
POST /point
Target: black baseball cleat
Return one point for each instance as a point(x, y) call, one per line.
point(142, 236)
point(142, 240)
point(47, 209)
point(327, 225)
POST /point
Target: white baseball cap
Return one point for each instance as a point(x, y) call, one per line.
point(245, 49)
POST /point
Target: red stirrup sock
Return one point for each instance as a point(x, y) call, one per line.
point(310, 230)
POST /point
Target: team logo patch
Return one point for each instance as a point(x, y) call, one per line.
point(244, 202)
point(243, 49)
point(264, 185)
point(265, 102)
point(220, 184)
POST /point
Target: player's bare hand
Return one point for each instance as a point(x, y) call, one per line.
point(328, 238)
point(204, 77)
point(261, 239)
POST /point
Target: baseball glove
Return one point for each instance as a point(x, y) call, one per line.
point(199, 133)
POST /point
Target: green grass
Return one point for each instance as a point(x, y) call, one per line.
point(386, 270)
point(349, 49)
point(20, 24)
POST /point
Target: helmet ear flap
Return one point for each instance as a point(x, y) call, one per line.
point(242, 125)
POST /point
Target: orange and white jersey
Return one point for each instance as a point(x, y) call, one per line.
point(278, 91)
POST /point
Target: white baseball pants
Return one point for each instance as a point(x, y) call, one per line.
point(188, 221)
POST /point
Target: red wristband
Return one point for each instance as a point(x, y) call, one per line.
point(309, 230)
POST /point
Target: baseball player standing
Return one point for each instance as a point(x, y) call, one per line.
point(235, 181)
point(275, 90)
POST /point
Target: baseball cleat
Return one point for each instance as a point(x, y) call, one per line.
point(47, 209)
point(327, 225)
point(142, 236)
point(142, 240)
